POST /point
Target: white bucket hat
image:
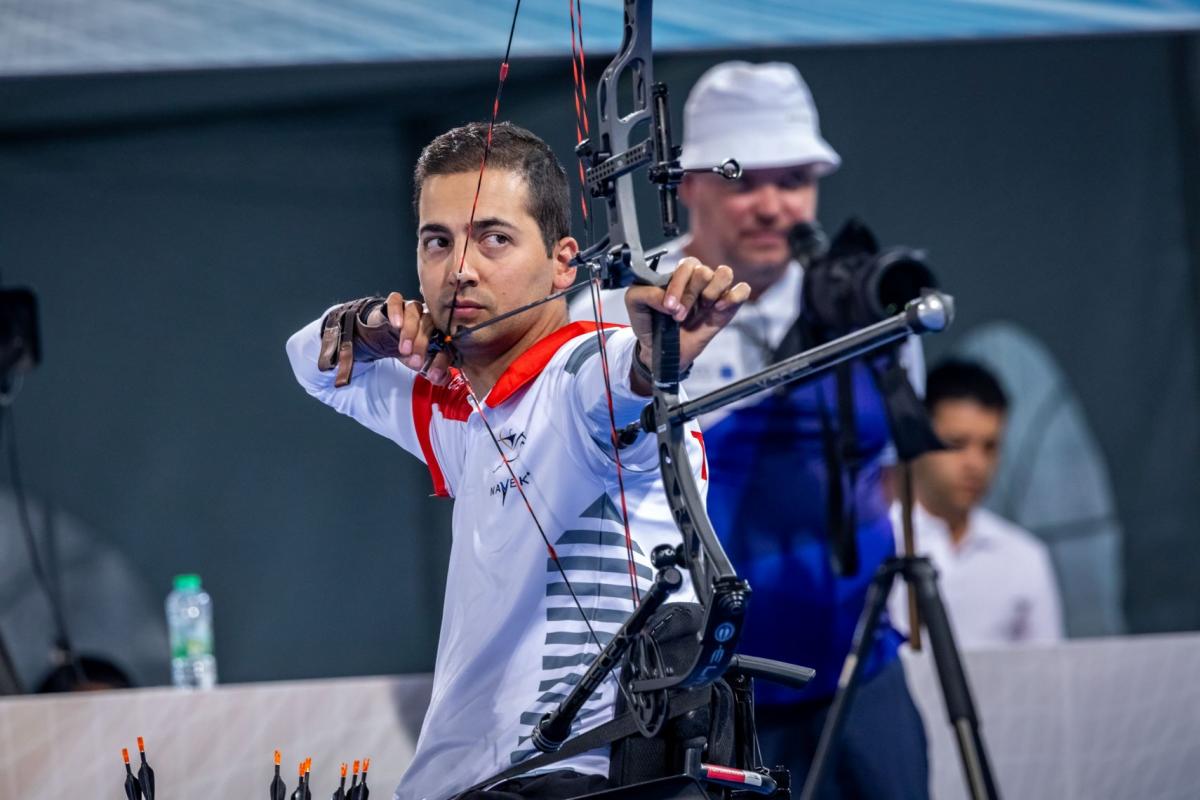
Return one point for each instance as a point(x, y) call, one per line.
point(760, 114)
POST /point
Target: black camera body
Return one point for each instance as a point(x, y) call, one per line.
point(851, 283)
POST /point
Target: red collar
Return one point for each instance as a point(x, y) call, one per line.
point(531, 363)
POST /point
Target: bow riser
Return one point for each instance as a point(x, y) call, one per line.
point(721, 593)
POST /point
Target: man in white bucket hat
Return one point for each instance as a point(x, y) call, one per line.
point(763, 116)
point(768, 470)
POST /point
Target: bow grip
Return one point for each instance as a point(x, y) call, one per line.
point(665, 332)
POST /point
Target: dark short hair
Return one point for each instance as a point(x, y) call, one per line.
point(956, 379)
point(514, 149)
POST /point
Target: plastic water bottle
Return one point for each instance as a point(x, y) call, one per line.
point(189, 622)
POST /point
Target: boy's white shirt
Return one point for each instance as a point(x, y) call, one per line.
point(998, 582)
point(511, 640)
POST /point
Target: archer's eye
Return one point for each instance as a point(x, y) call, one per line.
point(435, 244)
point(496, 240)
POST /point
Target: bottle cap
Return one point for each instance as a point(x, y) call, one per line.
point(188, 581)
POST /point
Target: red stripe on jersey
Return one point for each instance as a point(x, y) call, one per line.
point(451, 401)
point(530, 364)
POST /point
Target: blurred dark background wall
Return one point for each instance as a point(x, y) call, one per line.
point(178, 227)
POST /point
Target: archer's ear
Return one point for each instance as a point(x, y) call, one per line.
point(564, 273)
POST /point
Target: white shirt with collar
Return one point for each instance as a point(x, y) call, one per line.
point(997, 583)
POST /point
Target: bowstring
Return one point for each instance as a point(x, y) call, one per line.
point(583, 132)
point(529, 507)
point(448, 336)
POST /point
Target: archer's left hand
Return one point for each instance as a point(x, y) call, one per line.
point(701, 299)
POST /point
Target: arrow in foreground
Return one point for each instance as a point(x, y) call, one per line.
point(132, 790)
point(278, 789)
point(145, 775)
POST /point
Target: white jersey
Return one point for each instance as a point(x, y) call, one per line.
point(512, 641)
point(746, 344)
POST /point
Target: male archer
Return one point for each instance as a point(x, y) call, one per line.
point(518, 431)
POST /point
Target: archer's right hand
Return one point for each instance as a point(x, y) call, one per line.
point(412, 325)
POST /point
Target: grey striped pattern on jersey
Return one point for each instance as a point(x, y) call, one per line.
point(596, 562)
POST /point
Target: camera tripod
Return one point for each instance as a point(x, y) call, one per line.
point(925, 608)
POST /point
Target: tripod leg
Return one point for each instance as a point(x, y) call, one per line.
point(860, 646)
point(960, 708)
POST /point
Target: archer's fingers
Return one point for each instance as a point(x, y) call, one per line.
point(410, 327)
point(732, 298)
point(421, 336)
point(701, 277)
point(720, 313)
point(673, 292)
point(438, 372)
point(437, 356)
point(718, 284)
point(394, 308)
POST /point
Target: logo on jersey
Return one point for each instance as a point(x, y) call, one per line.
point(509, 475)
point(502, 487)
point(512, 442)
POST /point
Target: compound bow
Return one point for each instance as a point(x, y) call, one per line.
point(617, 260)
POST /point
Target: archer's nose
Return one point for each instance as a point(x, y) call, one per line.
point(464, 274)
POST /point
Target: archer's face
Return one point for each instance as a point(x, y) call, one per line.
point(958, 479)
point(745, 223)
point(506, 264)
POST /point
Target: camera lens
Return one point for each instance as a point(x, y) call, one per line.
point(898, 276)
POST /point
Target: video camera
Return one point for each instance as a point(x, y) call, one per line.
point(849, 284)
point(852, 283)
